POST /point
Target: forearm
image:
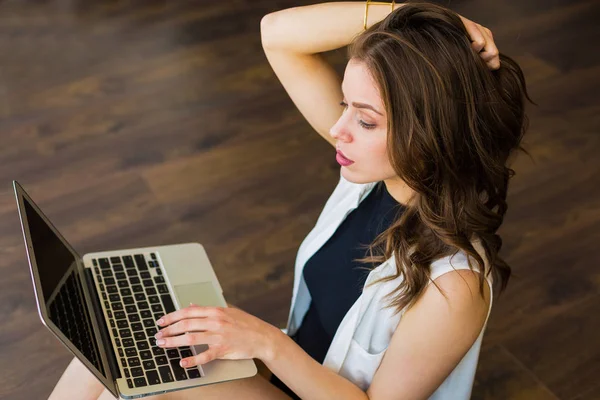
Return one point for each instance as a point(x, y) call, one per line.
point(319, 27)
point(305, 376)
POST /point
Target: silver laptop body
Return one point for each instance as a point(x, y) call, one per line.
point(103, 307)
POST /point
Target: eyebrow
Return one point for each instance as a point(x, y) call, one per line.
point(363, 105)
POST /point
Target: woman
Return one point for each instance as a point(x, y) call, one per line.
point(429, 115)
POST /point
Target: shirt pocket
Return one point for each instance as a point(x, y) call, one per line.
point(360, 366)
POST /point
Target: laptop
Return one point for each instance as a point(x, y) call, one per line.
point(104, 306)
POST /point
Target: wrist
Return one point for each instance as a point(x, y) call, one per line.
point(272, 343)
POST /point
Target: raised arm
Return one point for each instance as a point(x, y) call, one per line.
point(292, 40)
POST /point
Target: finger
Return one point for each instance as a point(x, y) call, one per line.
point(189, 312)
point(187, 339)
point(490, 52)
point(477, 38)
point(202, 358)
point(187, 325)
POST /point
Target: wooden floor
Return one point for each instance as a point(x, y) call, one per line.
point(142, 122)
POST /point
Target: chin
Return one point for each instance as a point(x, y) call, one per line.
point(356, 177)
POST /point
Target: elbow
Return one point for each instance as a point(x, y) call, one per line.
point(267, 26)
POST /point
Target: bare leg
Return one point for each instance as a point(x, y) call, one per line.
point(77, 382)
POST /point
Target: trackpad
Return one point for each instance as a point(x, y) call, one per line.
point(202, 294)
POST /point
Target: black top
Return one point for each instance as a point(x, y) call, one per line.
point(332, 277)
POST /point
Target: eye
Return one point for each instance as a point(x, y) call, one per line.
point(360, 122)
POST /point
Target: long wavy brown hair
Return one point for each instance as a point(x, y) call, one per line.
point(452, 125)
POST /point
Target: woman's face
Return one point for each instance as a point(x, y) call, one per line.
point(361, 131)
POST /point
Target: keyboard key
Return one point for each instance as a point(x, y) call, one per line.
point(131, 351)
point(158, 351)
point(145, 275)
point(179, 372)
point(128, 342)
point(162, 288)
point(124, 333)
point(107, 273)
point(193, 373)
point(114, 297)
point(172, 353)
point(148, 282)
point(152, 376)
point(125, 292)
point(138, 371)
point(122, 323)
point(94, 262)
point(153, 256)
point(134, 280)
point(127, 375)
point(146, 355)
point(137, 288)
point(131, 309)
point(165, 374)
point(150, 291)
point(159, 271)
point(143, 305)
point(128, 261)
point(156, 308)
point(148, 323)
point(146, 314)
point(130, 383)
point(132, 272)
point(158, 279)
point(115, 332)
point(119, 314)
point(161, 360)
point(140, 296)
point(186, 353)
point(112, 289)
point(157, 316)
point(133, 318)
point(118, 268)
point(139, 336)
point(134, 362)
point(115, 260)
point(151, 332)
point(153, 299)
point(118, 342)
point(140, 382)
point(143, 345)
point(117, 306)
point(151, 264)
point(167, 302)
point(141, 262)
point(128, 300)
point(120, 275)
point(136, 326)
point(148, 364)
point(109, 281)
point(123, 283)
point(104, 264)
point(104, 297)
point(123, 362)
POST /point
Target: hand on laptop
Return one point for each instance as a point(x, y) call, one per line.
point(229, 332)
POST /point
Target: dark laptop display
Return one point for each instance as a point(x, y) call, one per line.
point(61, 287)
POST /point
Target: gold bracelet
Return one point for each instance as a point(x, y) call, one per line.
point(393, 3)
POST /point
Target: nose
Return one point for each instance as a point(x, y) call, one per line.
point(340, 131)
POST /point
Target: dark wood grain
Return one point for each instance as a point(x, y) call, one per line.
point(152, 122)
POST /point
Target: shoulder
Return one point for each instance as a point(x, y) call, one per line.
point(433, 335)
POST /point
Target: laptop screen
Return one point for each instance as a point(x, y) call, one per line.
point(61, 287)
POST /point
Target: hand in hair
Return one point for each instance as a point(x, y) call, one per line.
point(482, 41)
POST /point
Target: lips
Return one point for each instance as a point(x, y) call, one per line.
point(343, 155)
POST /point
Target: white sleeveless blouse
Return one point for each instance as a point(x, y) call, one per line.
point(364, 334)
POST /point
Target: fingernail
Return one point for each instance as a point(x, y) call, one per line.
point(158, 335)
point(160, 342)
point(183, 363)
point(160, 321)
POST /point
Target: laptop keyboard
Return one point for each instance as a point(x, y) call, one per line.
point(135, 295)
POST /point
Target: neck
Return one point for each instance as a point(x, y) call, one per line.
point(399, 190)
